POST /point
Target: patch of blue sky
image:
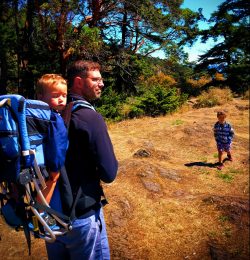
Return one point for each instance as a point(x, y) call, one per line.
point(208, 7)
point(198, 48)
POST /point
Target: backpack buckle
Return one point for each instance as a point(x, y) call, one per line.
point(25, 177)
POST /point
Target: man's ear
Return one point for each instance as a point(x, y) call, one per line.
point(77, 86)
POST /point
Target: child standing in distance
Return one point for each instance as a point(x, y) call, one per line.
point(223, 133)
point(52, 89)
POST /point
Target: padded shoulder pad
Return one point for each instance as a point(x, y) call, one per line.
point(82, 103)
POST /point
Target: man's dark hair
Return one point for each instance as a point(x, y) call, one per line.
point(79, 69)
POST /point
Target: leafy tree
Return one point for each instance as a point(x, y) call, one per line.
point(121, 35)
point(230, 57)
point(7, 44)
point(16, 48)
point(129, 28)
point(56, 31)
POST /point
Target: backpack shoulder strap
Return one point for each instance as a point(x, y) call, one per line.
point(82, 103)
point(66, 114)
point(72, 106)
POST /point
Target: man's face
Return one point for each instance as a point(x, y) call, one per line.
point(92, 85)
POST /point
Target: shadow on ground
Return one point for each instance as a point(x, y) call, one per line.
point(203, 164)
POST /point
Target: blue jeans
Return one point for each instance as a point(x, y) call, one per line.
point(86, 241)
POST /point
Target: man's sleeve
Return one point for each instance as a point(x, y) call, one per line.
point(106, 160)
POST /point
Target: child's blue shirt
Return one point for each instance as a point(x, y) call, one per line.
point(223, 133)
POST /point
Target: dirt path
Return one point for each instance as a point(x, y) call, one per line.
point(169, 201)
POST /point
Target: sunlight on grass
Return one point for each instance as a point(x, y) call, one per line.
point(225, 176)
point(223, 218)
point(204, 171)
point(203, 159)
point(212, 234)
point(234, 171)
point(177, 122)
point(215, 155)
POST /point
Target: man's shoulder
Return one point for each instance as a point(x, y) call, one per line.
point(88, 116)
point(86, 111)
point(83, 110)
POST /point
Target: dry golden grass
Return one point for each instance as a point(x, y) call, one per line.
point(169, 201)
point(213, 97)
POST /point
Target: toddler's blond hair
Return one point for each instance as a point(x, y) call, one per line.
point(47, 81)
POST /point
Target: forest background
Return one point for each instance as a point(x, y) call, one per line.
point(38, 37)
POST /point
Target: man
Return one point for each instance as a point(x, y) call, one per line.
point(90, 159)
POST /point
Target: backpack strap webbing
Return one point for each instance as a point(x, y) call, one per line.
point(71, 106)
point(66, 115)
point(51, 211)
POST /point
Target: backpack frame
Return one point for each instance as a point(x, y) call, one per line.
point(24, 130)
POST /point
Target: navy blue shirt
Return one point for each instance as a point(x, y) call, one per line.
point(90, 157)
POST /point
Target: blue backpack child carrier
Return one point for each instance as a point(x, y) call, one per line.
point(33, 140)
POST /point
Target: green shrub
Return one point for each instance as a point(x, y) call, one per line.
point(109, 104)
point(153, 102)
point(131, 108)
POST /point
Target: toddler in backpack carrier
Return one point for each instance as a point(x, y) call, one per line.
point(32, 139)
point(52, 89)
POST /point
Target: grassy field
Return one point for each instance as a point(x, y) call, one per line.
point(169, 201)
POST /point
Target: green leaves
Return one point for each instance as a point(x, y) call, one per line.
point(158, 101)
point(231, 56)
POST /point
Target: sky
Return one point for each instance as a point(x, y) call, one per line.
point(208, 7)
point(198, 48)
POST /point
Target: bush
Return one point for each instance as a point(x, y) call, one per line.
point(153, 102)
point(109, 104)
point(193, 87)
point(156, 98)
point(131, 108)
point(160, 79)
point(214, 97)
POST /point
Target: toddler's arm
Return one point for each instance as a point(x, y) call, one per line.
point(231, 133)
point(215, 133)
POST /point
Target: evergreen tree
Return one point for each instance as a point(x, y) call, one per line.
point(231, 56)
